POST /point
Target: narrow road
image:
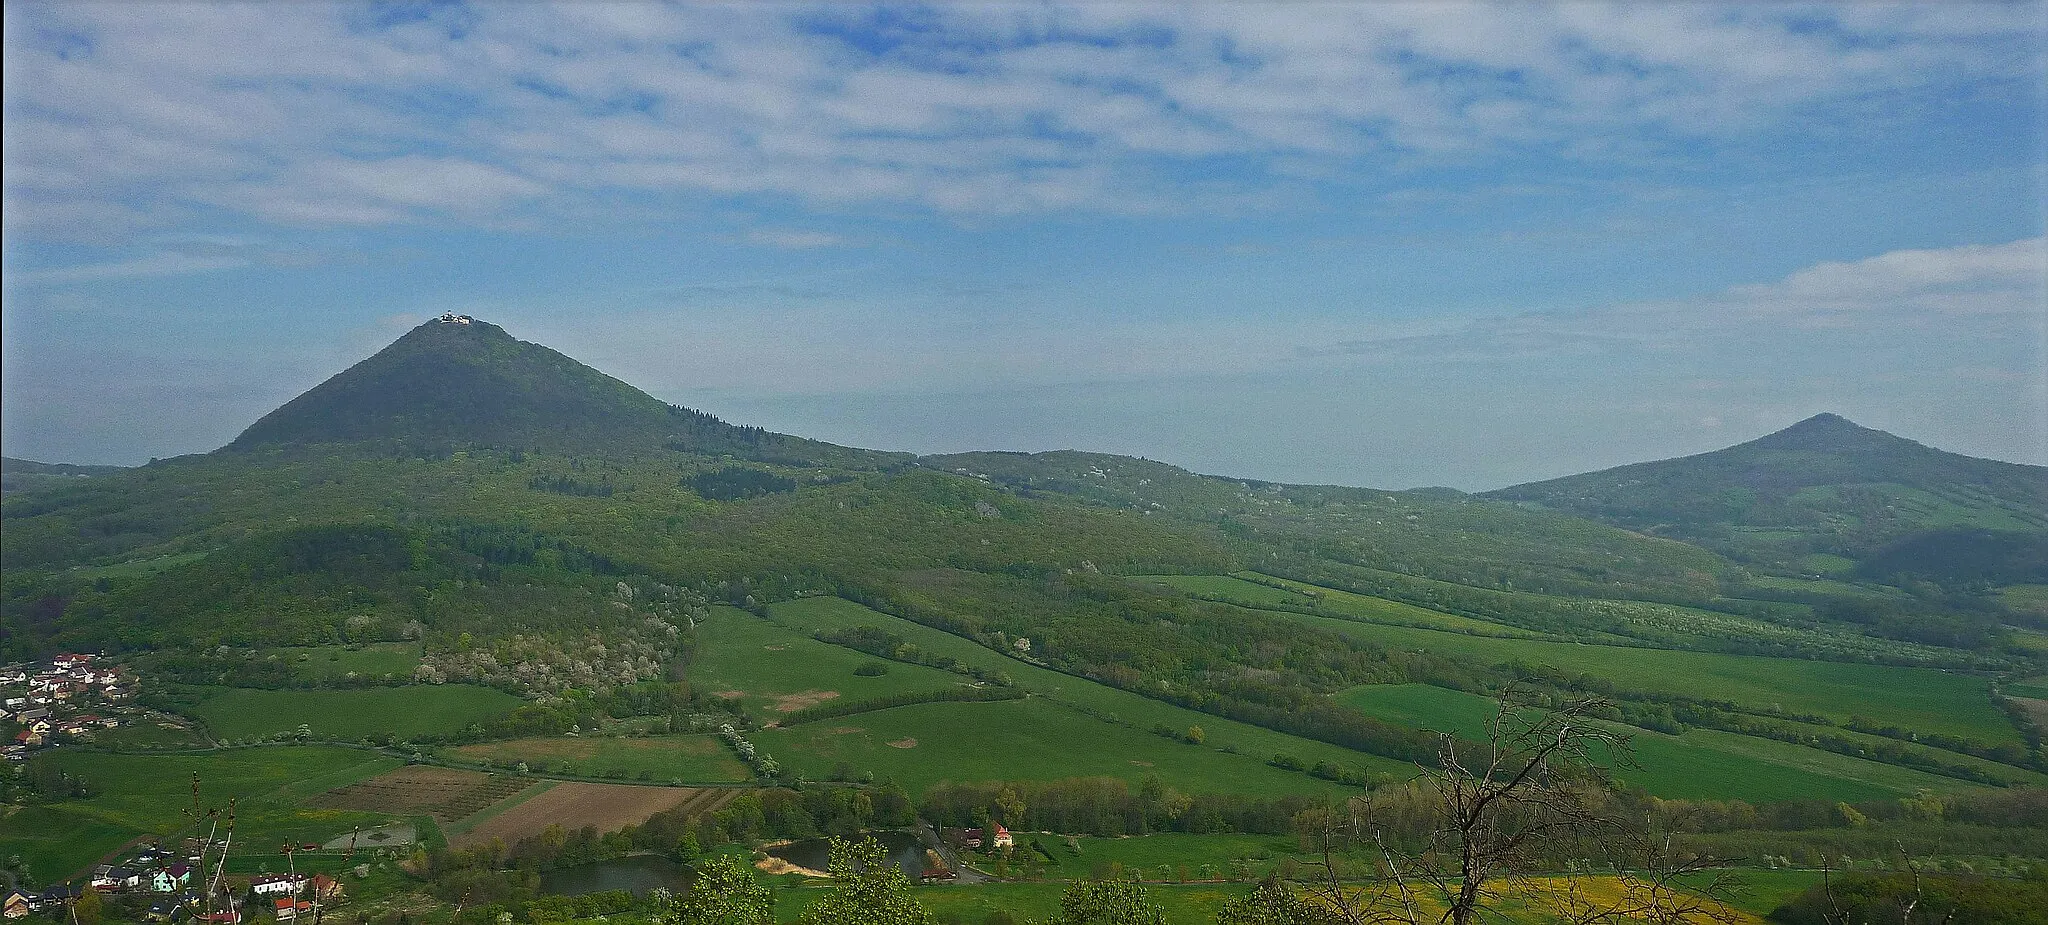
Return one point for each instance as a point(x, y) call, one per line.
point(961, 872)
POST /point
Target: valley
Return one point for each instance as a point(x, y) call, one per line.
point(458, 654)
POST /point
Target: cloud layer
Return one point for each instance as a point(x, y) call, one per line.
point(127, 116)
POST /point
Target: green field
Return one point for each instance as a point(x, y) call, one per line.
point(1136, 713)
point(774, 669)
point(1813, 586)
point(2031, 687)
point(1035, 739)
point(1699, 764)
point(149, 794)
point(1269, 591)
point(691, 759)
point(2029, 598)
point(402, 712)
point(394, 660)
point(1921, 699)
point(1185, 904)
point(1206, 856)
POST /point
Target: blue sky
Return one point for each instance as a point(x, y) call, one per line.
point(1379, 244)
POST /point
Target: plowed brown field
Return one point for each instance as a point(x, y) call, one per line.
point(606, 807)
point(443, 793)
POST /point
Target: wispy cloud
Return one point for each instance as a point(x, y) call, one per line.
point(152, 265)
point(1982, 288)
point(127, 116)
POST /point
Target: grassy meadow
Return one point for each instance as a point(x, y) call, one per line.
point(691, 759)
point(1135, 713)
point(1269, 592)
point(151, 794)
point(774, 669)
point(372, 660)
point(402, 712)
point(1921, 699)
point(1700, 763)
point(1034, 739)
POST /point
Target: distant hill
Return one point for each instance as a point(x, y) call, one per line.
point(1822, 485)
point(28, 475)
point(456, 383)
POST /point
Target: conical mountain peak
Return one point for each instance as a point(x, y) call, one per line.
point(1828, 431)
point(458, 382)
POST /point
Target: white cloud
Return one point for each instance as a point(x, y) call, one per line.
point(1983, 290)
point(311, 113)
point(794, 239)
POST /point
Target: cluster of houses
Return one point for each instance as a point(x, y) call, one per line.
point(71, 695)
point(176, 887)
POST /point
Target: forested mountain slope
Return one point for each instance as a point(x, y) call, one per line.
point(1823, 485)
point(500, 504)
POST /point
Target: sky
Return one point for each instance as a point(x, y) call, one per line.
point(1363, 243)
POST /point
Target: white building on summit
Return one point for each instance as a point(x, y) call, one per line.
point(452, 318)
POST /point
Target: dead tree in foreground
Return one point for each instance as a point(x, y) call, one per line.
point(1503, 811)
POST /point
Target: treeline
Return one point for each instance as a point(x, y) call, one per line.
point(831, 708)
point(737, 483)
point(1308, 714)
point(1926, 899)
point(881, 643)
point(564, 485)
point(1107, 806)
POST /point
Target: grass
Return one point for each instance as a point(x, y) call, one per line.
point(1220, 853)
point(1699, 764)
point(1925, 700)
point(776, 669)
point(1269, 591)
point(1185, 904)
point(1034, 739)
point(2031, 687)
point(374, 660)
point(150, 794)
point(402, 712)
point(687, 758)
point(1133, 712)
point(1758, 891)
point(2030, 598)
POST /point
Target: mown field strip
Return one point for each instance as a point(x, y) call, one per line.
point(1926, 700)
point(1697, 764)
point(1133, 714)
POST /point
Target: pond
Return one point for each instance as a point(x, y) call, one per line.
point(638, 874)
point(903, 847)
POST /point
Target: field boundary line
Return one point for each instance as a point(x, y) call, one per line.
point(465, 824)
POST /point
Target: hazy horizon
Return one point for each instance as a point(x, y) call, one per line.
point(1382, 245)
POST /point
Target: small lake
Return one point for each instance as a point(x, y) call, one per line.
point(639, 875)
point(903, 847)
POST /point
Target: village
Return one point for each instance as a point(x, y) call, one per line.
point(163, 885)
point(71, 697)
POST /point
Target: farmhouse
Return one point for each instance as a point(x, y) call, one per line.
point(171, 879)
point(15, 906)
point(277, 885)
point(1002, 839)
point(289, 909)
point(55, 897)
point(116, 879)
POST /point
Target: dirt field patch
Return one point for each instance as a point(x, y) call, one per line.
point(798, 701)
point(443, 793)
point(2038, 709)
point(728, 694)
point(904, 743)
point(606, 807)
